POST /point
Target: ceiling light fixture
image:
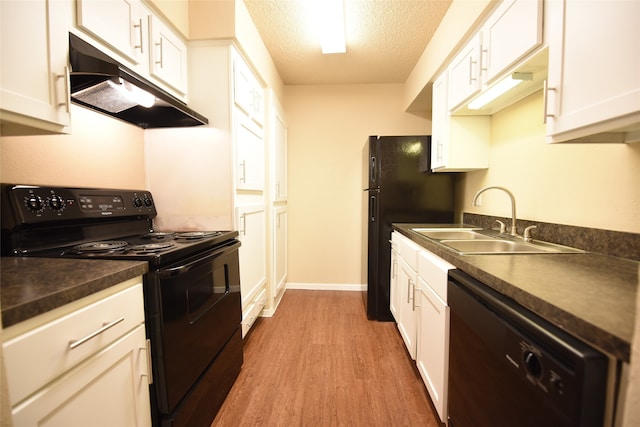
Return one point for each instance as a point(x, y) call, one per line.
point(332, 35)
point(500, 88)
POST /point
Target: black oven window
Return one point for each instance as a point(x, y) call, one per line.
point(190, 295)
point(205, 291)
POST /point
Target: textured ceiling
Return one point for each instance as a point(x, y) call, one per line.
point(385, 39)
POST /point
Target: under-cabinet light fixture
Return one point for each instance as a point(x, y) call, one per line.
point(332, 35)
point(499, 89)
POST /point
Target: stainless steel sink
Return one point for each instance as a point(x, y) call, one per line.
point(476, 241)
point(502, 246)
point(450, 234)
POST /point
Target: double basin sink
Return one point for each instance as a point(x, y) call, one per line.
point(476, 241)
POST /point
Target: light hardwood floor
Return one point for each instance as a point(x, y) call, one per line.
point(319, 362)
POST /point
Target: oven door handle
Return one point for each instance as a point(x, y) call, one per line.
point(185, 268)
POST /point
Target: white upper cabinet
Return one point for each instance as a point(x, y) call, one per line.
point(248, 93)
point(458, 143)
point(464, 73)
point(509, 41)
point(249, 146)
point(121, 24)
point(512, 31)
point(593, 90)
point(133, 34)
point(278, 140)
point(168, 55)
point(34, 75)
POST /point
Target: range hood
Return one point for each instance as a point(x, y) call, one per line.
point(102, 84)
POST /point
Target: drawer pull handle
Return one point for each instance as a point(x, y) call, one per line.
point(105, 326)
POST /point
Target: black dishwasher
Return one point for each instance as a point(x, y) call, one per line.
point(509, 367)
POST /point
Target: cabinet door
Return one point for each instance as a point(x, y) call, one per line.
point(109, 389)
point(439, 122)
point(242, 85)
point(594, 69)
point(407, 281)
point(458, 143)
point(121, 24)
point(34, 75)
point(280, 248)
point(257, 104)
point(432, 352)
point(510, 33)
point(394, 292)
point(168, 56)
point(278, 132)
point(249, 154)
point(251, 224)
point(464, 73)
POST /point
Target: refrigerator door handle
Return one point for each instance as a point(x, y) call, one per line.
point(372, 208)
point(372, 172)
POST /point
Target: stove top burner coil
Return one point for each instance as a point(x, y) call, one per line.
point(159, 235)
point(192, 235)
point(101, 246)
point(151, 247)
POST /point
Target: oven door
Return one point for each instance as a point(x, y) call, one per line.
point(197, 310)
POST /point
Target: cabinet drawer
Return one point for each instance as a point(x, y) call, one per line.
point(253, 311)
point(409, 252)
point(434, 270)
point(38, 356)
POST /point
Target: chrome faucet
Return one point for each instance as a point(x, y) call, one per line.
point(514, 231)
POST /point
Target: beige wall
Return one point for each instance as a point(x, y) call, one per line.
point(589, 185)
point(100, 152)
point(328, 127)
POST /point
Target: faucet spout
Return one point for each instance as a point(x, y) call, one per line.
point(514, 231)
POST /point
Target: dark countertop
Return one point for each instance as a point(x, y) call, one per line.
point(32, 286)
point(591, 296)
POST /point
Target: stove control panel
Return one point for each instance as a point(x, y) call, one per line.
point(32, 204)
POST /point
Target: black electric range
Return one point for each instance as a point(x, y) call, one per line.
point(191, 292)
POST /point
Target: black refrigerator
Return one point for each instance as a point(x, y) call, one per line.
point(398, 188)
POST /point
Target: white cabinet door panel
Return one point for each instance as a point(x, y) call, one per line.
point(594, 68)
point(109, 389)
point(280, 248)
point(168, 56)
point(251, 224)
point(249, 155)
point(511, 32)
point(433, 346)
point(121, 24)
point(34, 90)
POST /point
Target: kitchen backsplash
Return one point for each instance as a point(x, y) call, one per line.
point(613, 243)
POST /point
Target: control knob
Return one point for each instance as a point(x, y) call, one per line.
point(147, 201)
point(56, 203)
point(137, 202)
point(532, 364)
point(34, 203)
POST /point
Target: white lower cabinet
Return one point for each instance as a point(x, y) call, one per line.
point(279, 263)
point(393, 278)
point(251, 220)
point(419, 304)
point(432, 354)
point(406, 287)
point(252, 311)
point(88, 365)
point(109, 389)
point(407, 279)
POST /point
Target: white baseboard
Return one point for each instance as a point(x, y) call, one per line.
point(327, 286)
